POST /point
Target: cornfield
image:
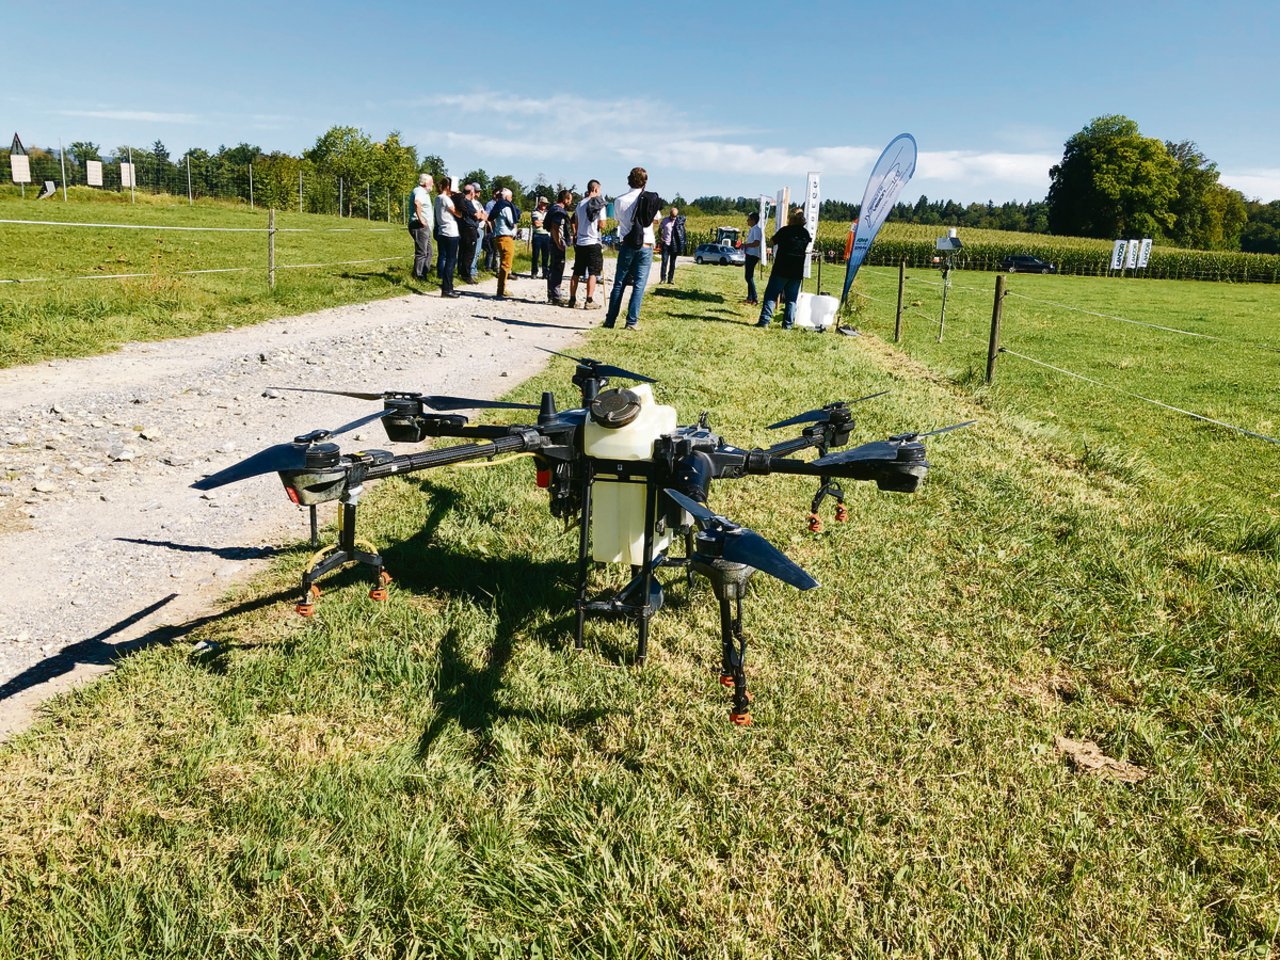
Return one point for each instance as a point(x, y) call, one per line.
point(984, 249)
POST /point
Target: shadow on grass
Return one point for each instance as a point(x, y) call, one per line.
point(513, 589)
point(671, 293)
point(99, 651)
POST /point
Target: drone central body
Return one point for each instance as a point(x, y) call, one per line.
point(620, 467)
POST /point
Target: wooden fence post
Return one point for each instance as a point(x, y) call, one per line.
point(271, 248)
point(997, 312)
point(902, 279)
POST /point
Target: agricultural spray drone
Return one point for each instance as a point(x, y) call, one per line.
point(619, 466)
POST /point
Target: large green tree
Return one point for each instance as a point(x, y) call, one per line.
point(1113, 182)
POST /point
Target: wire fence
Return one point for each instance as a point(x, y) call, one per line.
point(996, 341)
point(280, 182)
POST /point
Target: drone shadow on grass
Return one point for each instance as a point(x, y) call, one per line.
point(514, 589)
point(673, 293)
point(98, 651)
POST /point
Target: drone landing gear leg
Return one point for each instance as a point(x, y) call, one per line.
point(347, 550)
point(584, 565)
point(729, 581)
point(831, 489)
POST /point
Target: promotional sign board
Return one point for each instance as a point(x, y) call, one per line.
point(93, 172)
point(20, 167)
point(783, 202)
point(812, 200)
point(888, 177)
point(126, 175)
point(1117, 255)
point(1144, 252)
point(1131, 255)
point(764, 220)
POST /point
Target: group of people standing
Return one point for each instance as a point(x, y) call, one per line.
point(462, 226)
point(460, 223)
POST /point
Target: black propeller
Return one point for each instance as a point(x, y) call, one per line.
point(602, 369)
point(909, 437)
point(742, 545)
point(434, 401)
point(822, 415)
point(281, 456)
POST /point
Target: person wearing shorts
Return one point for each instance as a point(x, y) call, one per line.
point(588, 254)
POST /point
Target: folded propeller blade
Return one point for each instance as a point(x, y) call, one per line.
point(434, 401)
point(875, 450)
point(743, 545)
point(820, 415)
point(281, 456)
point(933, 433)
point(604, 369)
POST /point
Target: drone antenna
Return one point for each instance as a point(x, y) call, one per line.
point(548, 408)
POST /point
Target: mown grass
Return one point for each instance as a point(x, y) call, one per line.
point(1224, 369)
point(441, 775)
point(68, 317)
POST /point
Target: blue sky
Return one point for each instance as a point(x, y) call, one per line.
point(721, 98)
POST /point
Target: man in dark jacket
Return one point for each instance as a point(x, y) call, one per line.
point(557, 225)
point(791, 244)
point(671, 234)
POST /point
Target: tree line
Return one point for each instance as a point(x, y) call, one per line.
point(1111, 182)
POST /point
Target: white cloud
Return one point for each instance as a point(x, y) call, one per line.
point(1260, 182)
point(1015, 169)
point(142, 116)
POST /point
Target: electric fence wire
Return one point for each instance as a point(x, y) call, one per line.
point(177, 273)
point(1138, 396)
point(147, 226)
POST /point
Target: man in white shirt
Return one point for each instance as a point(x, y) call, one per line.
point(588, 256)
point(752, 247)
point(636, 210)
point(422, 223)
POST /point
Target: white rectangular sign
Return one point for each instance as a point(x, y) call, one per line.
point(1117, 255)
point(1131, 254)
point(1144, 253)
point(20, 164)
point(93, 172)
point(126, 175)
point(780, 208)
point(812, 200)
point(762, 224)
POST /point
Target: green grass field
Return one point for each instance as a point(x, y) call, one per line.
point(441, 775)
point(69, 317)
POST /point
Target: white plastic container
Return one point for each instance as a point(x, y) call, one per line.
point(617, 509)
point(815, 312)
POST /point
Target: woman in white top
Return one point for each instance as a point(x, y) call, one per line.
point(447, 230)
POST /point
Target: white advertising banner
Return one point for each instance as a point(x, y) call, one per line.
point(20, 165)
point(93, 172)
point(763, 224)
point(1144, 252)
point(126, 175)
point(1131, 254)
point(780, 208)
point(812, 200)
point(1117, 255)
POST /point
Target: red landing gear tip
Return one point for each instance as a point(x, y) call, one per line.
point(305, 609)
point(842, 514)
point(740, 719)
point(726, 680)
point(815, 523)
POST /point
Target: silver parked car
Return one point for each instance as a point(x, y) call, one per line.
point(720, 253)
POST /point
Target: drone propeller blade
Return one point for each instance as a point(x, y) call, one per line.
point(699, 510)
point(604, 369)
point(446, 404)
point(358, 422)
point(433, 401)
point(282, 456)
point(354, 394)
point(875, 450)
point(745, 546)
point(933, 433)
point(820, 415)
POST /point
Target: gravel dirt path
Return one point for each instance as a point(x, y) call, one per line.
point(106, 545)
